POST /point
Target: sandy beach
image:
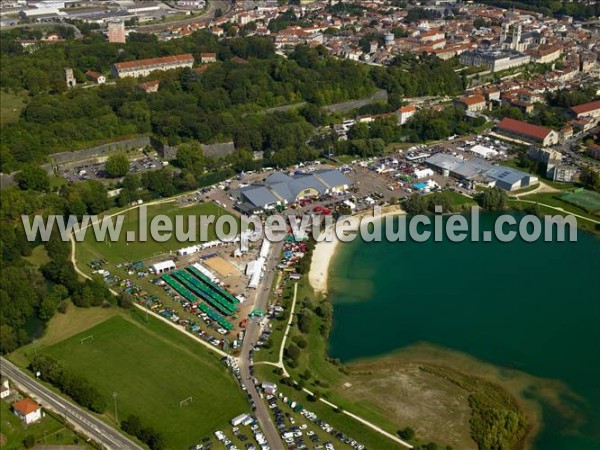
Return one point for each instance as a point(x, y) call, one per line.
point(325, 249)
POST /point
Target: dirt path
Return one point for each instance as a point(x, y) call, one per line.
point(541, 189)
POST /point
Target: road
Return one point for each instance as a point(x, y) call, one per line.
point(204, 18)
point(83, 421)
point(253, 331)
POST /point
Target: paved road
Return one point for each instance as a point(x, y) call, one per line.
point(204, 18)
point(82, 420)
point(253, 331)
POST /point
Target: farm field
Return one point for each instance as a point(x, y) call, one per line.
point(123, 251)
point(153, 368)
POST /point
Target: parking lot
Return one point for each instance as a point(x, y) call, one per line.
point(302, 429)
point(95, 170)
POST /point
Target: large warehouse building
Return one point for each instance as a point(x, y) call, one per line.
point(477, 171)
point(280, 189)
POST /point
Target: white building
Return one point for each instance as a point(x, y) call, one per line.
point(406, 112)
point(424, 173)
point(483, 151)
point(144, 67)
point(27, 410)
point(4, 388)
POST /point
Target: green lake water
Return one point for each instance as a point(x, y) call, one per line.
point(534, 307)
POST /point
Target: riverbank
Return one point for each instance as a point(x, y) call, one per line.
point(325, 249)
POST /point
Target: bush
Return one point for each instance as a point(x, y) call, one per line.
point(407, 433)
point(29, 441)
point(299, 341)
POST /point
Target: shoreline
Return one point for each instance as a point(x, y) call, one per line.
point(324, 251)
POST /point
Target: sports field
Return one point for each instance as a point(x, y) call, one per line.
point(123, 251)
point(588, 200)
point(153, 368)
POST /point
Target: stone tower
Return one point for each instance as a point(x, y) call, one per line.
point(504, 32)
point(70, 78)
point(516, 37)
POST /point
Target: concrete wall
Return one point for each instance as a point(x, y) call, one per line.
point(66, 158)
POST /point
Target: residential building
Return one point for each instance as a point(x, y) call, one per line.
point(27, 410)
point(144, 67)
point(96, 77)
point(591, 109)
point(527, 132)
point(149, 86)
point(4, 388)
point(406, 112)
point(494, 59)
point(472, 103)
point(116, 32)
point(208, 58)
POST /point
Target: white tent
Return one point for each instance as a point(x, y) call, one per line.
point(423, 173)
point(163, 266)
point(211, 276)
point(187, 250)
point(483, 151)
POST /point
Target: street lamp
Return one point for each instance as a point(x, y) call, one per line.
point(115, 395)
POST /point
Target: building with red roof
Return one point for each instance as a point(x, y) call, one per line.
point(591, 109)
point(144, 67)
point(406, 112)
point(527, 132)
point(472, 103)
point(27, 410)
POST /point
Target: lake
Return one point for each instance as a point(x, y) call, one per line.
point(533, 307)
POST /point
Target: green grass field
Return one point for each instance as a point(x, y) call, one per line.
point(123, 251)
point(153, 368)
point(11, 106)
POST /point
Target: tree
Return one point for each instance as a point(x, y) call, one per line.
point(29, 441)
point(117, 165)
point(494, 199)
point(33, 178)
point(304, 321)
point(415, 204)
point(590, 179)
point(292, 352)
point(407, 433)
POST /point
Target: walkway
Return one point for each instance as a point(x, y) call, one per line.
point(332, 405)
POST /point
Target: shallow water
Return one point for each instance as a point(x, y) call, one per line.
point(534, 307)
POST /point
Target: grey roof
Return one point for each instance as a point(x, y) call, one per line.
point(332, 178)
point(443, 161)
point(280, 186)
point(278, 177)
point(259, 196)
point(507, 175)
point(478, 169)
point(283, 190)
point(307, 181)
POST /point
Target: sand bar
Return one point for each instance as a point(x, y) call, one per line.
point(325, 249)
